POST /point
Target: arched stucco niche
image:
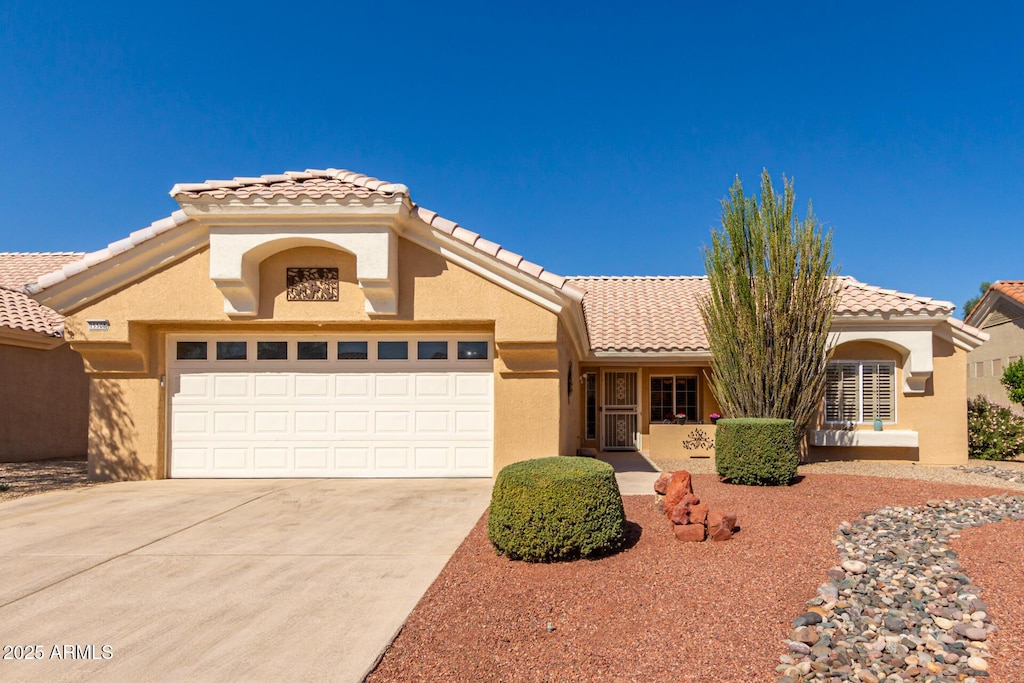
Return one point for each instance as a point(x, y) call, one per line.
point(275, 305)
point(913, 348)
point(236, 255)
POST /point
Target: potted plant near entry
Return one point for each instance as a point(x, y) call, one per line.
point(680, 418)
point(714, 417)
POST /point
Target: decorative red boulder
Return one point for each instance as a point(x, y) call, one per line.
point(661, 485)
point(680, 514)
point(689, 532)
point(721, 526)
point(678, 486)
point(699, 513)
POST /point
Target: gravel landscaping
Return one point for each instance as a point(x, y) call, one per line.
point(668, 611)
point(29, 478)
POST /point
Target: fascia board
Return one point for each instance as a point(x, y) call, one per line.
point(651, 357)
point(960, 338)
point(887, 319)
point(29, 340)
point(294, 212)
point(123, 269)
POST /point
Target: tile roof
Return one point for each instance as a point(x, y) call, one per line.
point(19, 268)
point(860, 298)
point(1011, 288)
point(663, 313)
point(313, 184)
point(86, 261)
point(17, 310)
point(644, 313)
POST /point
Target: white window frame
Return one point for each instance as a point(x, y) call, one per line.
point(860, 391)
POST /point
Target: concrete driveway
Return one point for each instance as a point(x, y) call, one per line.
point(221, 580)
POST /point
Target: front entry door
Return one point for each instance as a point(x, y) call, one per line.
point(620, 421)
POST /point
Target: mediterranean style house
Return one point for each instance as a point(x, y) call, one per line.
point(322, 324)
point(1000, 314)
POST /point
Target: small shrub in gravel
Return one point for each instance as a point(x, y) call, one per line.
point(4, 486)
point(755, 451)
point(555, 509)
point(994, 432)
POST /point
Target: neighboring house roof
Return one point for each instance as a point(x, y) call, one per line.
point(19, 268)
point(1000, 304)
point(650, 314)
point(18, 311)
point(1011, 288)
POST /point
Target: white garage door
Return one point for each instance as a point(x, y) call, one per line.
point(329, 406)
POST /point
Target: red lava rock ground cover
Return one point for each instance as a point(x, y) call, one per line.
point(661, 610)
point(993, 556)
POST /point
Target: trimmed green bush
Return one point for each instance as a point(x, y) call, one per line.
point(756, 451)
point(994, 432)
point(554, 509)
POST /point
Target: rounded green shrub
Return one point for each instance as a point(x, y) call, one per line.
point(553, 509)
point(756, 451)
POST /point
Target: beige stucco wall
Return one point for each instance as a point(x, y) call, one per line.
point(128, 414)
point(1006, 343)
point(44, 404)
point(939, 415)
point(681, 441)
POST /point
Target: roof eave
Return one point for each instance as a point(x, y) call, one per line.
point(12, 336)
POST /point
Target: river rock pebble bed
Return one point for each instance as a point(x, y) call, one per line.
point(899, 606)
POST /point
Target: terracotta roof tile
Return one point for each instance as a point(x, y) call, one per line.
point(1011, 288)
point(644, 313)
point(19, 268)
point(663, 313)
point(79, 262)
point(17, 310)
point(20, 312)
point(311, 183)
point(338, 183)
point(860, 298)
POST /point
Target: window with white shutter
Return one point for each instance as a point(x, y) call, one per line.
point(860, 391)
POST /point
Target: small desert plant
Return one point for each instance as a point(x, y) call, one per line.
point(552, 509)
point(756, 451)
point(4, 486)
point(994, 432)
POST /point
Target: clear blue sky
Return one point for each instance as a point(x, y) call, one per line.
point(594, 138)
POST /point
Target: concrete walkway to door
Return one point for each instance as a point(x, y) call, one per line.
point(253, 580)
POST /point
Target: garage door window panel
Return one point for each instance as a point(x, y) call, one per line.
point(392, 350)
point(232, 350)
point(311, 350)
point(352, 350)
point(190, 350)
point(472, 350)
point(272, 350)
point(432, 350)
